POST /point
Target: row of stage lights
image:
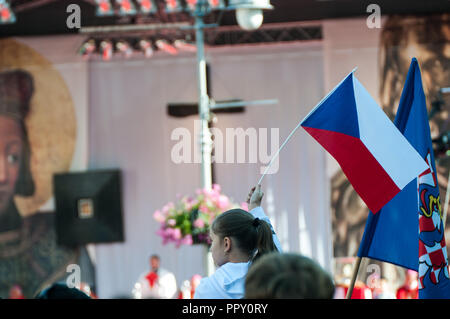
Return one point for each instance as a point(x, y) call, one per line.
point(142, 47)
point(6, 14)
point(127, 49)
point(129, 7)
point(126, 7)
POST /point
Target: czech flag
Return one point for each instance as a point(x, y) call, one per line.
point(376, 158)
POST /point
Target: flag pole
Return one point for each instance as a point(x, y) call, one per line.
point(278, 152)
point(354, 275)
point(447, 196)
point(298, 125)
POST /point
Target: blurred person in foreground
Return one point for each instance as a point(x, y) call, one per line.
point(287, 276)
point(61, 291)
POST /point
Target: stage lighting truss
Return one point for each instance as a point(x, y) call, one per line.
point(106, 49)
point(147, 6)
point(88, 48)
point(276, 33)
point(124, 48)
point(173, 6)
point(184, 45)
point(126, 7)
point(146, 43)
point(165, 46)
point(6, 14)
point(104, 8)
point(191, 5)
point(146, 47)
point(132, 48)
point(216, 4)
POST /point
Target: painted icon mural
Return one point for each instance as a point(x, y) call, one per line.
point(37, 139)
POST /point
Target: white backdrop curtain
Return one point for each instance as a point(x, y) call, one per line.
point(130, 129)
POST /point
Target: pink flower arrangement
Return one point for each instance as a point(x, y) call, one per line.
point(187, 221)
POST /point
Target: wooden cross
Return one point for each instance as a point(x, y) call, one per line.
point(187, 109)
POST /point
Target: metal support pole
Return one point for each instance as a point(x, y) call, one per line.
point(204, 112)
point(203, 105)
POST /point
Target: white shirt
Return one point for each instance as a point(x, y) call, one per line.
point(228, 280)
point(165, 286)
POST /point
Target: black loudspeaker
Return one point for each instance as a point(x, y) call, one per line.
point(88, 207)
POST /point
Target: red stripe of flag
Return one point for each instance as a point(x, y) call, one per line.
point(368, 177)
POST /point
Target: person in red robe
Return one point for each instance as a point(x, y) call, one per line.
point(158, 283)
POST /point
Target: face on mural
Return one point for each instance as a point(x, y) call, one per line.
point(38, 129)
point(11, 146)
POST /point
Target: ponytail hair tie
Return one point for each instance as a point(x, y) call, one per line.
point(256, 222)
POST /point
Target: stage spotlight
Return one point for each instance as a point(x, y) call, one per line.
point(126, 7)
point(185, 46)
point(191, 4)
point(87, 48)
point(104, 8)
point(106, 49)
point(147, 6)
point(6, 14)
point(124, 48)
point(216, 4)
point(249, 13)
point(146, 47)
point(166, 46)
point(173, 6)
point(213, 4)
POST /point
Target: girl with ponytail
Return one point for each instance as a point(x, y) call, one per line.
point(238, 238)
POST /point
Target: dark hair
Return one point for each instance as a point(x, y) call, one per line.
point(61, 291)
point(287, 276)
point(252, 235)
point(16, 90)
point(155, 256)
